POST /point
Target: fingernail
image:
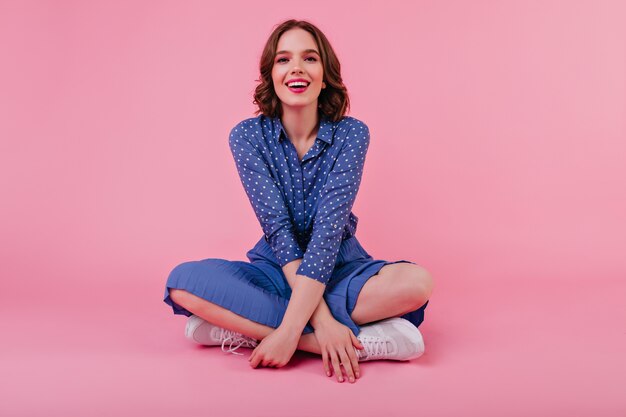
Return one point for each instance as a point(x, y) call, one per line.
point(351, 379)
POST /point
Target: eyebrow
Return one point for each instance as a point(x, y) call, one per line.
point(305, 51)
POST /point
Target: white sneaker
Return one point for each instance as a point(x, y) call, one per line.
point(394, 338)
point(205, 333)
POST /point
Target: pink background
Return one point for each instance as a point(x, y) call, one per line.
point(497, 161)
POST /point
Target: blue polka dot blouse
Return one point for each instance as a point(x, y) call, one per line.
point(303, 206)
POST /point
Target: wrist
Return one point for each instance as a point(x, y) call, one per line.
point(321, 319)
point(290, 331)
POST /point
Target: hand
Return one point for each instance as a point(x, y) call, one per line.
point(276, 349)
point(337, 343)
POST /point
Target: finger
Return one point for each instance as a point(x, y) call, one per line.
point(336, 365)
point(347, 364)
point(269, 361)
point(257, 358)
point(356, 341)
point(354, 360)
point(325, 360)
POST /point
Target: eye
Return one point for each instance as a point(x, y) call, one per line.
point(310, 57)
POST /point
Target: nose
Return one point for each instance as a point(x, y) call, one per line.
point(296, 68)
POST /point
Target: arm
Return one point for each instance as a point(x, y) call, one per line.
point(322, 313)
point(336, 200)
point(307, 295)
point(335, 203)
point(269, 207)
point(265, 197)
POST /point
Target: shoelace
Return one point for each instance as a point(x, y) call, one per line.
point(234, 337)
point(375, 347)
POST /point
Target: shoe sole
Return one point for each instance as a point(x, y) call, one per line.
point(415, 335)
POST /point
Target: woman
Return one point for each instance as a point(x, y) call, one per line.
point(309, 284)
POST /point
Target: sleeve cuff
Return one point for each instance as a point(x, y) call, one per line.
point(288, 255)
point(316, 272)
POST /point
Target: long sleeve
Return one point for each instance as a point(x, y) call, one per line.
point(336, 200)
point(265, 197)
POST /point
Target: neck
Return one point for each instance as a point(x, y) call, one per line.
point(301, 124)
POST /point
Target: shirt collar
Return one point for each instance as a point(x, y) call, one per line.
point(324, 133)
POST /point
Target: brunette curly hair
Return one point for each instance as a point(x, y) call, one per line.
point(333, 100)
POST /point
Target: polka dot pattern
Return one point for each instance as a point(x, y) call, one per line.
point(304, 206)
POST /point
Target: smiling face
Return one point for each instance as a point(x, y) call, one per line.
point(297, 57)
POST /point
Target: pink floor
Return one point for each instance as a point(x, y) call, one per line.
point(497, 343)
point(497, 161)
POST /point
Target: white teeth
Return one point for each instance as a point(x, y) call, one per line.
point(297, 84)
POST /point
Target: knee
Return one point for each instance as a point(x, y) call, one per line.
point(182, 270)
point(418, 286)
point(179, 296)
point(179, 276)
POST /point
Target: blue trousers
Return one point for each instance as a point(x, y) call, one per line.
point(259, 291)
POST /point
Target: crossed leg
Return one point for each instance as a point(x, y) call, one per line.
point(396, 290)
